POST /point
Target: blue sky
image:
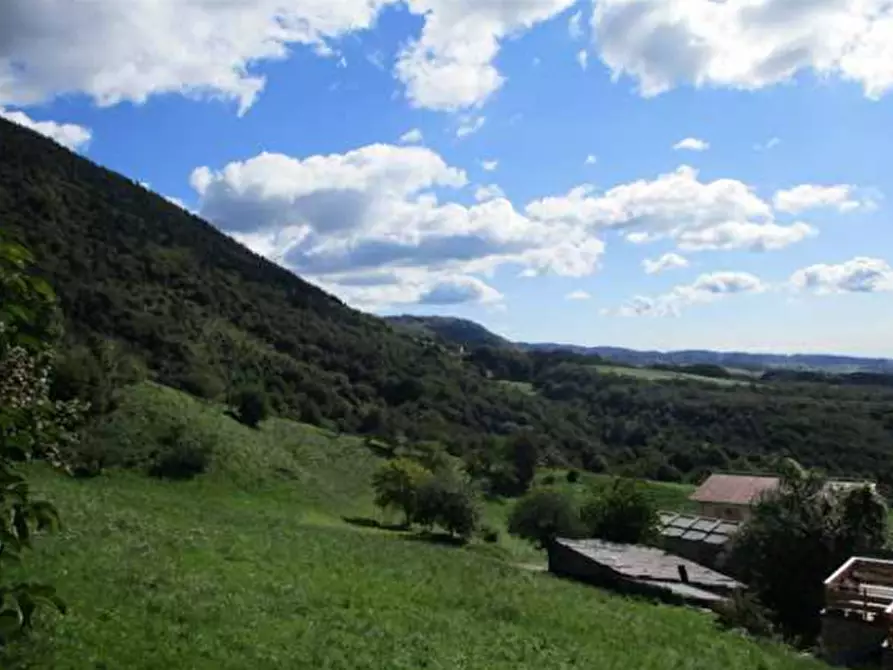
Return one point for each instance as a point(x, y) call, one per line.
point(644, 173)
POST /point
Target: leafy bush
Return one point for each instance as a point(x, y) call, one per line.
point(396, 485)
point(573, 476)
point(743, 611)
point(544, 514)
point(251, 407)
point(448, 501)
point(183, 454)
point(620, 513)
point(489, 534)
point(31, 425)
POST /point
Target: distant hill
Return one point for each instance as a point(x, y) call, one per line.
point(464, 332)
point(449, 329)
point(750, 361)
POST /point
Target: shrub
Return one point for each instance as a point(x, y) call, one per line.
point(573, 476)
point(252, 407)
point(743, 611)
point(620, 513)
point(182, 454)
point(544, 514)
point(489, 534)
point(549, 480)
point(396, 485)
point(448, 501)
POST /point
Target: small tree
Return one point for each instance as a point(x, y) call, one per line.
point(448, 501)
point(396, 485)
point(796, 537)
point(31, 425)
point(544, 514)
point(252, 407)
point(620, 513)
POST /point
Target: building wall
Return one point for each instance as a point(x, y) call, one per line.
point(849, 639)
point(724, 511)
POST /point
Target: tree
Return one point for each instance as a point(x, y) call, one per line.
point(252, 407)
point(796, 537)
point(448, 501)
point(396, 485)
point(544, 514)
point(30, 425)
point(620, 513)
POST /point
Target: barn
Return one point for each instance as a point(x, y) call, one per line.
point(640, 570)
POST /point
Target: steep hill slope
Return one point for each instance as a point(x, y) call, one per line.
point(208, 315)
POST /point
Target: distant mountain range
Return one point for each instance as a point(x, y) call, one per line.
point(468, 333)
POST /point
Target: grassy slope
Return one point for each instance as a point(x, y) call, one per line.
point(663, 375)
point(246, 568)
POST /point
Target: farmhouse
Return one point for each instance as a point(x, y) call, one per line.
point(641, 570)
point(732, 497)
point(857, 622)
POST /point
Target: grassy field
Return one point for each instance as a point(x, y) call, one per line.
point(651, 374)
point(252, 565)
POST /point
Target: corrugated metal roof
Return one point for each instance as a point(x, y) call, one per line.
point(734, 489)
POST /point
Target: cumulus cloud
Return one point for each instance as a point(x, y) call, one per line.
point(721, 215)
point(691, 144)
point(591, 159)
point(458, 290)
point(577, 295)
point(115, 51)
point(666, 262)
point(705, 289)
point(451, 65)
point(69, 135)
point(745, 45)
point(812, 196)
point(583, 59)
point(373, 210)
point(488, 192)
point(858, 275)
point(413, 136)
point(469, 125)
point(490, 166)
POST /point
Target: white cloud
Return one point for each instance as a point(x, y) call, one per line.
point(583, 58)
point(666, 262)
point(859, 275)
point(469, 125)
point(691, 144)
point(367, 224)
point(575, 26)
point(745, 44)
point(489, 192)
point(490, 166)
point(723, 214)
point(591, 159)
point(769, 145)
point(577, 295)
point(413, 136)
point(451, 65)
point(69, 135)
point(458, 290)
point(705, 289)
point(114, 51)
point(813, 196)
point(745, 235)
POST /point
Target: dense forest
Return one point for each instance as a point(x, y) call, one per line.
point(208, 316)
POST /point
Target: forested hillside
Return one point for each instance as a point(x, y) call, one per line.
point(210, 317)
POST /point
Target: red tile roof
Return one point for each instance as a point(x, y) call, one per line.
point(733, 489)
